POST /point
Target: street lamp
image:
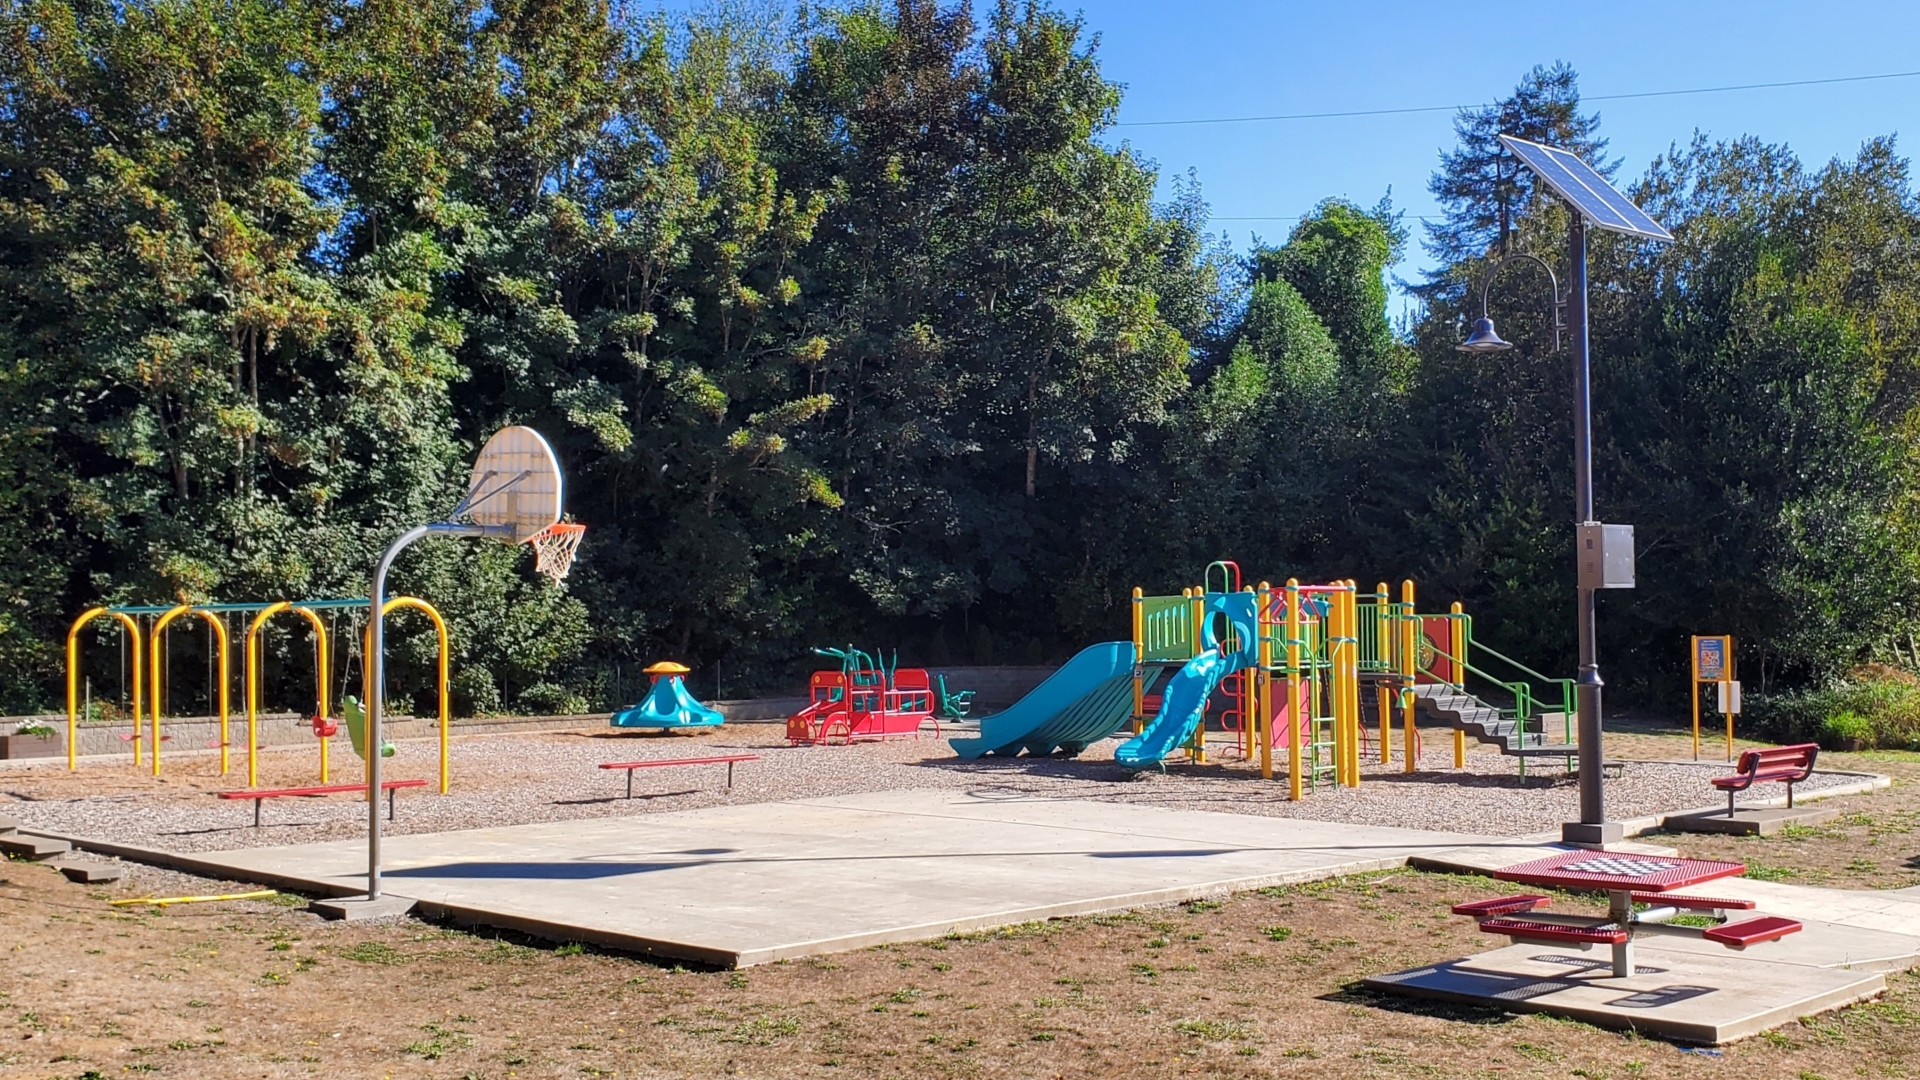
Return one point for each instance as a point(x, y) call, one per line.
point(1603, 553)
point(1482, 338)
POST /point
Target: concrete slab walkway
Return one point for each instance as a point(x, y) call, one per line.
point(749, 884)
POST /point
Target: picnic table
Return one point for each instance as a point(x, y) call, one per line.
point(1626, 879)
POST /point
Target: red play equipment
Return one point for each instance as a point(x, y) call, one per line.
point(864, 701)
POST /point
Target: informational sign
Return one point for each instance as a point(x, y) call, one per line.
point(1710, 658)
point(1713, 663)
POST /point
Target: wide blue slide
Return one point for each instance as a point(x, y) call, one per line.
point(1088, 699)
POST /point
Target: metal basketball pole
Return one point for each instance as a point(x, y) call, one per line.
point(376, 668)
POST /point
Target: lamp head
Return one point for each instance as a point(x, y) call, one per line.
point(1483, 338)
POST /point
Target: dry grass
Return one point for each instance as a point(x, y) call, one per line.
point(1257, 985)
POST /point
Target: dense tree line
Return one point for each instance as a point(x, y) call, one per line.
point(863, 326)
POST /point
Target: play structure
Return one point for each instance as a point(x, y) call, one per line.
point(1297, 669)
point(144, 629)
point(864, 701)
point(667, 704)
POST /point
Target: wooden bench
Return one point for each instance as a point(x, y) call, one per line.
point(1783, 764)
point(729, 760)
point(259, 795)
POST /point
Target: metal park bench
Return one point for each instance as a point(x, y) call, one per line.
point(259, 795)
point(1786, 764)
point(728, 760)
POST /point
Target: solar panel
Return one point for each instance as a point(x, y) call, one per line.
point(1575, 181)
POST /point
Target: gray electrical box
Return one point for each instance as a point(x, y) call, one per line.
point(1605, 555)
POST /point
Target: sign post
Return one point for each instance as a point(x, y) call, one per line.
point(1713, 663)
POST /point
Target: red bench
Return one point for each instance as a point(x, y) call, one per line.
point(1532, 930)
point(1492, 917)
point(659, 763)
point(1784, 764)
point(1747, 932)
point(259, 795)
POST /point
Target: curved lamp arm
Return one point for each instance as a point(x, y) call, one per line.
point(1486, 321)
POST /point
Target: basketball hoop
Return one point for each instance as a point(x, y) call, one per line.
point(554, 547)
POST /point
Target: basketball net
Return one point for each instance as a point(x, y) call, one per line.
point(554, 547)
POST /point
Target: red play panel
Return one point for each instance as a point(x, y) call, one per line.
point(1603, 872)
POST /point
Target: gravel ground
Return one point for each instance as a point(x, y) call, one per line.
point(516, 779)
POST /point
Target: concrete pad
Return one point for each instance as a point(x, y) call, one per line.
point(1750, 821)
point(359, 908)
point(8, 824)
point(28, 846)
point(90, 873)
point(748, 884)
point(1683, 996)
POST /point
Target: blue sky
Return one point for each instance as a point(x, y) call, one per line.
point(1208, 58)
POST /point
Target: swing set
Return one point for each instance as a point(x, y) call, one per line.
point(147, 626)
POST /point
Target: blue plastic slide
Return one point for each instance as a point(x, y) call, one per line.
point(1088, 699)
point(1182, 706)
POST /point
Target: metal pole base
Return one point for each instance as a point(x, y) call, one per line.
point(1581, 834)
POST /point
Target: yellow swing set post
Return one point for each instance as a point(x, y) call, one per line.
point(255, 660)
point(132, 630)
point(446, 702)
point(156, 671)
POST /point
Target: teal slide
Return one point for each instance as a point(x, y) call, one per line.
point(1088, 699)
point(1182, 706)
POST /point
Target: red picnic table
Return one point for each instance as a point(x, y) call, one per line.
point(1626, 879)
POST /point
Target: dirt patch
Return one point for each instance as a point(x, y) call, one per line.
point(1257, 985)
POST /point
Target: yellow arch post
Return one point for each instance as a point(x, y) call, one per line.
point(155, 672)
point(446, 703)
point(73, 679)
point(255, 661)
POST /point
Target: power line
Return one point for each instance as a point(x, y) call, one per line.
point(1483, 105)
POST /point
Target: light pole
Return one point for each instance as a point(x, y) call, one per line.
point(1593, 828)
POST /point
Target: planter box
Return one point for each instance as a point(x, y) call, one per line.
point(30, 746)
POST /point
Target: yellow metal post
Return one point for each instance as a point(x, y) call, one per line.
point(1139, 661)
point(1383, 635)
point(1352, 673)
point(1693, 685)
point(1457, 645)
point(132, 629)
point(1409, 658)
point(446, 707)
point(1293, 690)
point(156, 671)
point(1263, 706)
